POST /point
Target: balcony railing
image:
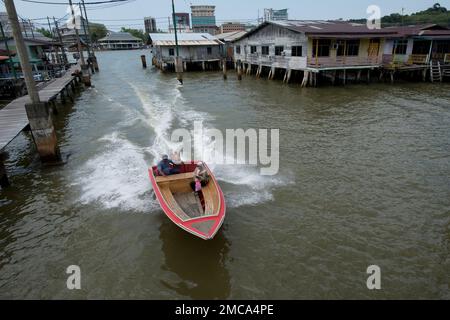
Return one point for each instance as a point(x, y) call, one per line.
point(418, 59)
point(324, 62)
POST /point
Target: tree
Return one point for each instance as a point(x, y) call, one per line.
point(45, 32)
point(136, 33)
point(98, 31)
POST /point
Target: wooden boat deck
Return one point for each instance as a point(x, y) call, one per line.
point(13, 117)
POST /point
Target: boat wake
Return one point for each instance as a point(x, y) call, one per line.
point(117, 176)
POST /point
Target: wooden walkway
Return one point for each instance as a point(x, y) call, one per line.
point(13, 117)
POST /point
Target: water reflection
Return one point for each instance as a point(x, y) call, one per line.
point(200, 265)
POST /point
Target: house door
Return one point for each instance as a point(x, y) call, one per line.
point(374, 49)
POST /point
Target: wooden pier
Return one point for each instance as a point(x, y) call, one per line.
point(13, 117)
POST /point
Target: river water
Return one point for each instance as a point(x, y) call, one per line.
point(364, 180)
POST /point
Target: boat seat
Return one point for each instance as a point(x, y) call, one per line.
point(175, 177)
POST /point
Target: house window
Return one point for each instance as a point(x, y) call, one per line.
point(171, 51)
point(279, 50)
point(253, 49)
point(351, 48)
point(442, 47)
point(297, 51)
point(265, 50)
point(400, 46)
point(209, 50)
point(238, 50)
point(321, 47)
point(421, 47)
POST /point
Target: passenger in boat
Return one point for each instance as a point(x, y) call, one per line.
point(167, 167)
point(200, 176)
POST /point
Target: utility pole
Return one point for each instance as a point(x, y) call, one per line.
point(11, 63)
point(38, 113)
point(93, 57)
point(24, 27)
point(88, 44)
point(60, 41)
point(86, 77)
point(31, 27)
point(178, 60)
point(77, 34)
point(54, 48)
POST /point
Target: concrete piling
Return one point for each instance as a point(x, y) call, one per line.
point(41, 124)
point(85, 76)
point(94, 62)
point(144, 61)
point(179, 68)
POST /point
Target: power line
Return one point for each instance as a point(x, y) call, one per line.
point(65, 3)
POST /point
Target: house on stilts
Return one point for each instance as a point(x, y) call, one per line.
point(314, 50)
point(421, 50)
point(198, 51)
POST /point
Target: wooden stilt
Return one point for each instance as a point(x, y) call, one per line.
point(63, 97)
point(311, 82)
point(144, 61)
point(358, 76)
point(53, 106)
point(4, 182)
point(289, 74)
point(239, 70)
point(345, 77)
point(333, 77)
point(368, 76)
point(224, 68)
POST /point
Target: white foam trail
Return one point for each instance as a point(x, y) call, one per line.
point(117, 177)
point(249, 186)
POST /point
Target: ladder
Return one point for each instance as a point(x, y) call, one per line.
point(435, 72)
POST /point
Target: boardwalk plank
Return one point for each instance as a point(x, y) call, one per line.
point(13, 117)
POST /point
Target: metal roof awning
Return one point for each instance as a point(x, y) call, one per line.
point(185, 43)
point(350, 36)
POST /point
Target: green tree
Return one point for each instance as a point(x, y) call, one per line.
point(45, 32)
point(135, 32)
point(98, 31)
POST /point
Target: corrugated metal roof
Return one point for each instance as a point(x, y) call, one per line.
point(185, 43)
point(322, 28)
point(119, 36)
point(425, 30)
point(230, 36)
point(184, 39)
point(329, 27)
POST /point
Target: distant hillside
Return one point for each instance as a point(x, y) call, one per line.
point(435, 14)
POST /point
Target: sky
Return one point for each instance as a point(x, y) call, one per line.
point(226, 10)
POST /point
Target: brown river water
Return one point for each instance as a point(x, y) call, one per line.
point(364, 180)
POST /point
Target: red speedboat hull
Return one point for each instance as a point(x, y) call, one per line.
point(200, 214)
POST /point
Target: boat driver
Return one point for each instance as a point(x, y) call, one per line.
point(167, 167)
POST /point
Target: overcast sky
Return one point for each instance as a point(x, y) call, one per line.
point(226, 10)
